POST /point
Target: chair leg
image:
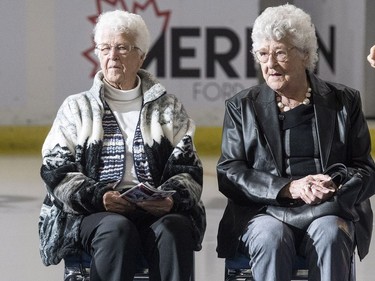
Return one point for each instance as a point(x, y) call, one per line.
point(142, 277)
point(77, 274)
point(353, 272)
point(237, 275)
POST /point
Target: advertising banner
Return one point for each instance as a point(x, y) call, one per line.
point(200, 51)
point(341, 29)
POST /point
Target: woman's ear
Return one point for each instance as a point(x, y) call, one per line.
point(142, 58)
point(306, 58)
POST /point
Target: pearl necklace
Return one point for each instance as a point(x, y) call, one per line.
point(287, 107)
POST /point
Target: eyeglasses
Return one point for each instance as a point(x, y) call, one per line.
point(122, 49)
point(280, 55)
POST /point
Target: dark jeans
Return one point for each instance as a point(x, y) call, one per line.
point(116, 243)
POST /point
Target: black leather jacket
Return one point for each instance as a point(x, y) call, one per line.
point(249, 169)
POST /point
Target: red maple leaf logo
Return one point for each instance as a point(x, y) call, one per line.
point(137, 8)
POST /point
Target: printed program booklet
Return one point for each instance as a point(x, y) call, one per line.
point(144, 191)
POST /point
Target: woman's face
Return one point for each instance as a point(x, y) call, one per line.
point(119, 69)
point(285, 68)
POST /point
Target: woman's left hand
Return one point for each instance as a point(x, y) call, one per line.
point(312, 189)
point(158, 207)
point(319, 188)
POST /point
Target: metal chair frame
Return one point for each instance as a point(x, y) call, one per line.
point(77, 268)
point(238, 269)
point(81, 273)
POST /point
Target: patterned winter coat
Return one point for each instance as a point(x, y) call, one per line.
point(85, 152)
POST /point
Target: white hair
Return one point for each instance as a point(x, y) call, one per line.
point(124, 22)
point(290, 23)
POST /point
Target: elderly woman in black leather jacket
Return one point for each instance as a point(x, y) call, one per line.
point(295, 164)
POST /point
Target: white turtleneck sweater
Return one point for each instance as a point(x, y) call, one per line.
point(126, 106)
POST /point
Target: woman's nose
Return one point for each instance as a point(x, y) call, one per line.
point(113, 53)
point(271, 61)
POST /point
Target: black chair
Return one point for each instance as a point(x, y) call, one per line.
point(77, 268)
point(238, 269)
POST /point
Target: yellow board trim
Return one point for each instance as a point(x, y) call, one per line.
point(22, 139)
point(372, 135)
point(29, 139)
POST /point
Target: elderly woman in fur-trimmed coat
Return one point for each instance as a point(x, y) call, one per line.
point(125, 130)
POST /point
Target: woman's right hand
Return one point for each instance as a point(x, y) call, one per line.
point(312, 189)
point(113, 202)
point(371, 56)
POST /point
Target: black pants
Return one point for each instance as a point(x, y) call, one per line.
point(116, 243)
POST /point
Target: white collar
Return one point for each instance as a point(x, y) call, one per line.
point(115, 94)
